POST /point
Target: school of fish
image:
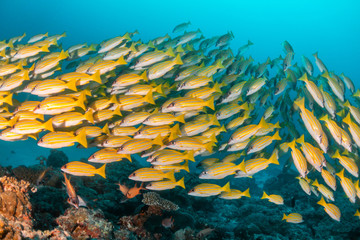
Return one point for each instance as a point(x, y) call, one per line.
point(176, 101)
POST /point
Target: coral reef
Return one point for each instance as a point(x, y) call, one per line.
point(85, 223)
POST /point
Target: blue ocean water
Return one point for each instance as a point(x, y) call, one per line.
point(331, 28)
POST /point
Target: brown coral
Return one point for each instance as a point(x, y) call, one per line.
point(154, 199)
point(14, 198)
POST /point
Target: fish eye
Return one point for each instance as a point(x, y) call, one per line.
point(121, 148)
point(192, 190)
point(205, 172)
point(171, 104)
point(172, 143)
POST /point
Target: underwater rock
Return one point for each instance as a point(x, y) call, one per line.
point(184, 234)
point(56, 159)
point(154, 199)
point(85, 223)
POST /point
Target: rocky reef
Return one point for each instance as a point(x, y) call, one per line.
point(33, 209)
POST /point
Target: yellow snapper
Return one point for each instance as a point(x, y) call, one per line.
point(208, 189)
point(150, 174)
point(165, 185)
point(83, 169)
point(332, 210)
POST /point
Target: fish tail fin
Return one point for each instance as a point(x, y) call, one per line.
point(144, 76)
point(151, 44)
point(26, 75)
point(284, 217)
point(300, 103)
point(216, 88)
point(64, 34)
point(10, 44)
point(226, 187)
point(96, 77)
point(63, 55)
point(210, 103)
point(81, 138)
point(12, 121)
point(264, 196)
point(92, 47)
point(101, 171)
point(128, 157)
point(186, 166)
point(336, 154)
point(44, 48)
point(357, 214)
point(180, 118)
point(214, 120)
point(241, 167)
point(121, 61)
point(170, 52)
point(209, 147)
point(127, 36)
point(49, 125)
point(245, 106)
point(326, 75)
point(219, 64)
point(276, 136)
point(170, 175)
point(133, 47)
point(72, 85)
point(190, 155)
point(117, 111)
point(149, 98)
point(181, 183)
point(223, 129)
point(81, 101)
point(114, 100)
point(159, 89)
point(340, 174)
point(246, 193)
point(322, 202)
point(2, 53)
point(105, 129)
point(347, 119)
point(262, 123)
point(324, 118)
point(347, 104)
point(175, 130)
point(158, 141)
point(8, 99)
point(304, 78)
point(274, 158)
point(89, 116)
point(315, 54)
point(301, 139)
point(292, 144)
point(178, 60)
point(316, 183)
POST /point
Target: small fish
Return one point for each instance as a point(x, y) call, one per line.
point(130, 192)
point(293, 218)
point(73, 199)
point(168, 222)
point(277, 199)
point(332, 210)
point(235, 194)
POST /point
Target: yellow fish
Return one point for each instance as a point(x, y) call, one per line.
point(208, 189)
point(165, 185)
point(293, 218)
point(235, 194)
point(62, 139)
point(332, 210)
point(83, 169)
point(277, 199)
point(150, 174)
